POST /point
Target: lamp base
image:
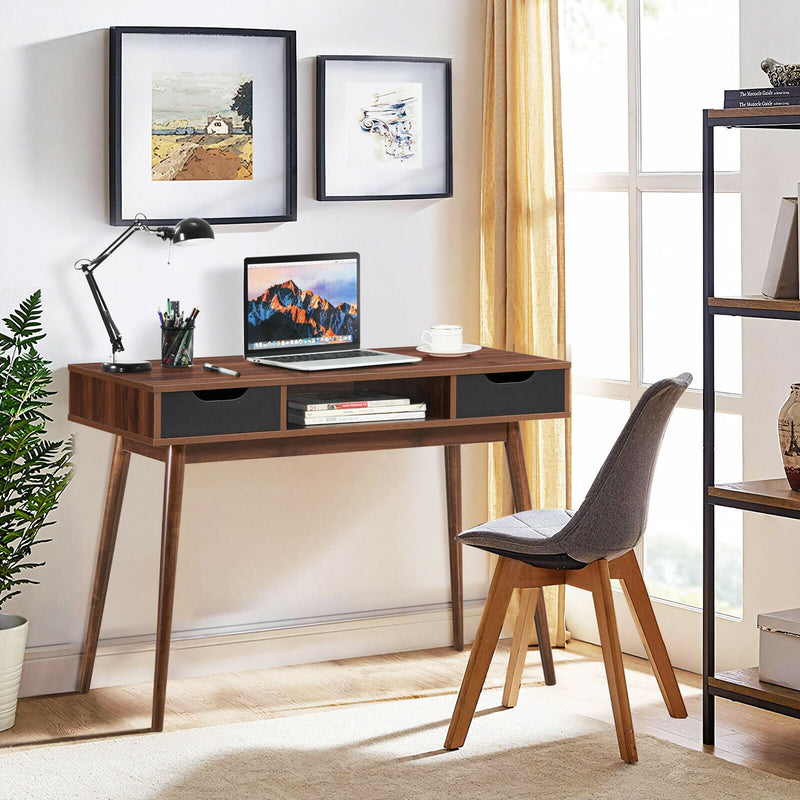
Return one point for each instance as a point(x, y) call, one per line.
point(126, 366)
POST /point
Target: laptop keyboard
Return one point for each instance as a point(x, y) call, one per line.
point(325, 356)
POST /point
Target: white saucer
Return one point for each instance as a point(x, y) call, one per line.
point(465, 350)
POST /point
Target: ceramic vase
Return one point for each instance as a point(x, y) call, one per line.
point(789, 436)
point(13, 636)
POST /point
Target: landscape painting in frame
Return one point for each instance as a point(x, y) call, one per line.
point(385, 125)
point(202, 126)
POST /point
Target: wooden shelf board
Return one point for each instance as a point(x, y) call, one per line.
point(746, 682)
point(754, 302)
point(755, 111)
point(773, 493)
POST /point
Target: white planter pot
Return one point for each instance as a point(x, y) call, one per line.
point(13, 636)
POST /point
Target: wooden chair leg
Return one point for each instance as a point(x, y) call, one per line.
point(543, 637)
point(626, 568)
point(561, 625)
point(519, 646)
point(505, 577)
point(612, 656)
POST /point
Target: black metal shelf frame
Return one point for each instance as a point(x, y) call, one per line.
point(766, 121)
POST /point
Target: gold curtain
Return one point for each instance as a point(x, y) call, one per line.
point(522, 235)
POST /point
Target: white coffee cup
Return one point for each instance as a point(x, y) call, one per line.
point(443, 338)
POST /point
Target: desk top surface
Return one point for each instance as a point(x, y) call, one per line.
point(168, 379)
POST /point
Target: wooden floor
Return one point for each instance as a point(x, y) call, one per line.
point(745, 735)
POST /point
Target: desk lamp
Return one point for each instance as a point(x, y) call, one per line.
point(191, 230)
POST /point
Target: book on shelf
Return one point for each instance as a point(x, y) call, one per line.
point(351, 419)
point(319, 401)
point(763, 97)
point(781, 278)
point(349, 412)
point(764, 92)
point(765, 103)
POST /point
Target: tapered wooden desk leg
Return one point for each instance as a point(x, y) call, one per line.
point(452, 473)
point(117, 477)
point(522, 502)
point(170, 528)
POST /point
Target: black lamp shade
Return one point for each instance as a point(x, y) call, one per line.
point(191, 229)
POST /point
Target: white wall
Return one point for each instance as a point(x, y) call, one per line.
point(771, 349)
point(263, 544)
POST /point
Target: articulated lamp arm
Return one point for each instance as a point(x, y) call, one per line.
point(191, 228)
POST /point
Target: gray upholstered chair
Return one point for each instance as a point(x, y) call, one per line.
point(584, 548)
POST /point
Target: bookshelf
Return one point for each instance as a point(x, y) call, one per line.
point(773, 497)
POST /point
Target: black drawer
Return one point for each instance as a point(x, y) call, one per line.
point(504, 393)
point(216, 411)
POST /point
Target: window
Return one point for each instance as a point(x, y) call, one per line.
point(633, 87)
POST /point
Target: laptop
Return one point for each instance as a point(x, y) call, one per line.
point(302, 312)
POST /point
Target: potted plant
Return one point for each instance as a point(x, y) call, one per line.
point(34, 471)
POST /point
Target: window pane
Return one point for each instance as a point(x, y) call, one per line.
point(596, 423)
point(689, 56)
point(672, 287)
point(674, 539)
point(593, 54)
point(597, 283)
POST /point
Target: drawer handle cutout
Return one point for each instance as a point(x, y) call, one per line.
point(214, 395)
point(509, 377)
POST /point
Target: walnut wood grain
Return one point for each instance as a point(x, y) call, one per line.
point(372, 438)
point(129, 406)
point(118, 475)
point(165, 379)
point(170, 528)
point(452, 473)
point(108, 404)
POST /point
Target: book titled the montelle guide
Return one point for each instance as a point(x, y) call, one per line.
point(763, 97)
point(324, 408)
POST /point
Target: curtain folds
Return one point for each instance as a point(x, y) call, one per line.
point(522, 234)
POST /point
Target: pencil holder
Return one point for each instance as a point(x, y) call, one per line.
point(177, 346)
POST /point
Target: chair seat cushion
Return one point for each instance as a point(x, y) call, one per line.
point(530, 536)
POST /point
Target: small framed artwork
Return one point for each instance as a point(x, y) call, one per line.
point(203, 123)
point(384, 128)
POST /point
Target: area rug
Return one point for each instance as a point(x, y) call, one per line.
point(384, 751)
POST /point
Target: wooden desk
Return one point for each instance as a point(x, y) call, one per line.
point(188, 416)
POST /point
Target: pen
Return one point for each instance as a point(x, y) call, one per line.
point(222, 370)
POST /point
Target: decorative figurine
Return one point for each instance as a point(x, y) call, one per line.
point(781, 74)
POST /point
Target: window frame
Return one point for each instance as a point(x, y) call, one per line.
point(636, 183)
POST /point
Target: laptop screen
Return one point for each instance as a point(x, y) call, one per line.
point(296, 303)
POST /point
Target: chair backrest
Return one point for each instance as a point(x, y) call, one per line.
point(612, 518)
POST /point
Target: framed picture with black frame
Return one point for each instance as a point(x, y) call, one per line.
point(203, 123)
point(384, 128)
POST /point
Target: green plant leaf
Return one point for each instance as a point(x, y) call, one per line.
point(34, 471)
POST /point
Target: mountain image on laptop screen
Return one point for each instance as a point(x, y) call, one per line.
point(292, 313)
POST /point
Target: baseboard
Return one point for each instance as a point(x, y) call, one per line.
point(53, 669)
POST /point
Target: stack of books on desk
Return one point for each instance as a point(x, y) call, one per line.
point(322, 408)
